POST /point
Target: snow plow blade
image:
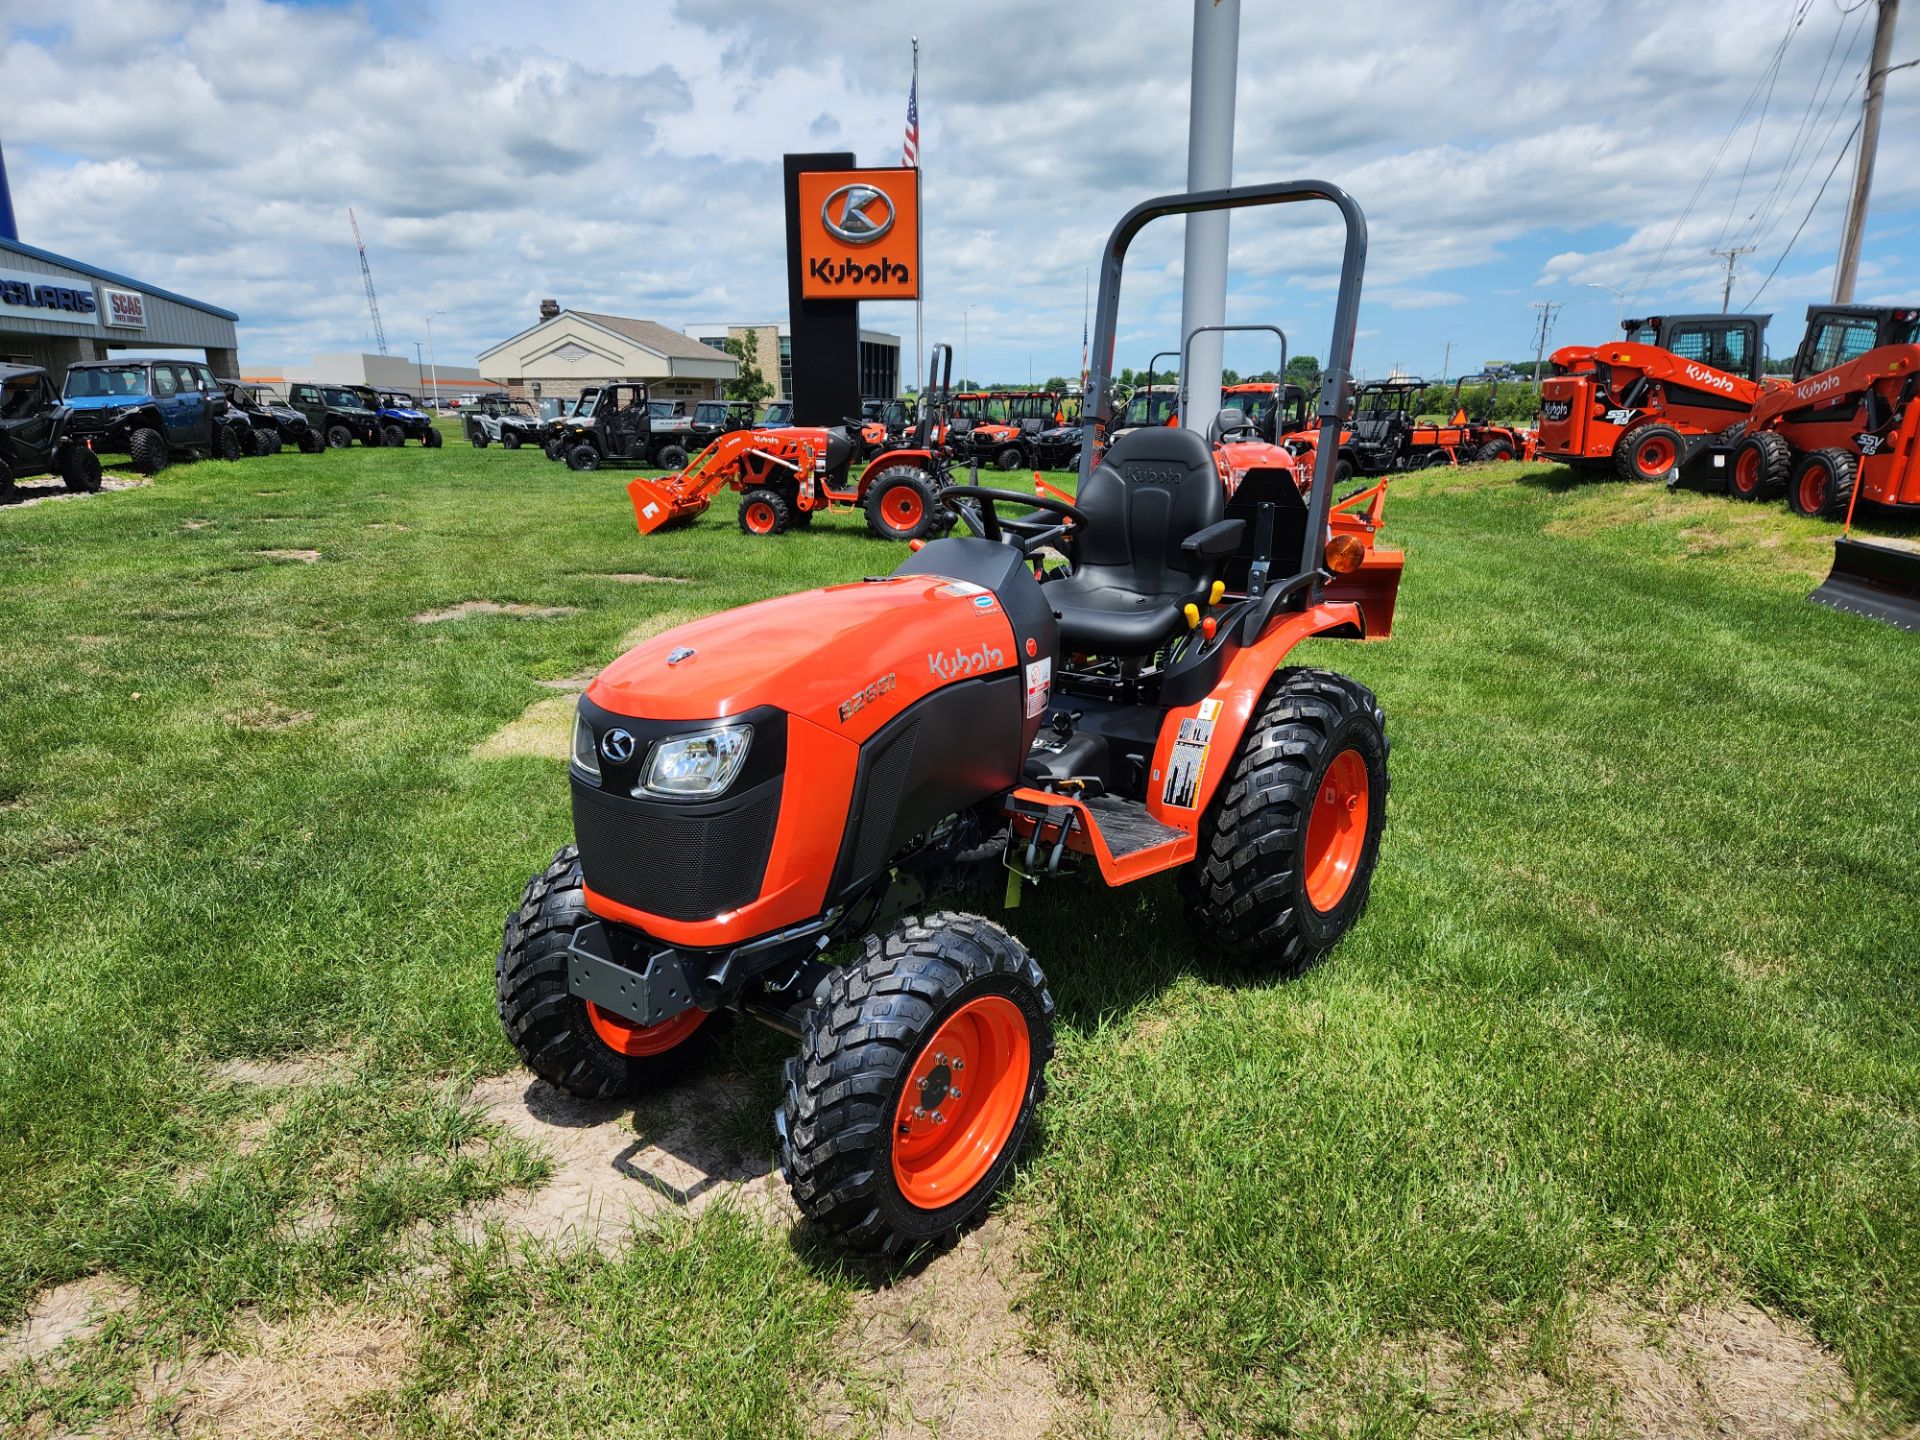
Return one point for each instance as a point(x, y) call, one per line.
point(1878, 579)
point(655, 505)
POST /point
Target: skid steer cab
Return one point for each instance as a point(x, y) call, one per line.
point(787, 475)
point(769, 803)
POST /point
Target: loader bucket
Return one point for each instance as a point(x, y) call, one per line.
point(655, 505)
point(1879, 579)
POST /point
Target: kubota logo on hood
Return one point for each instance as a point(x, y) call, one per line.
point(963, 662)
point(1813, 389)
point(1702, 375)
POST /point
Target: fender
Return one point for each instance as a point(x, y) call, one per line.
point(1224, 713)
point(886, 459)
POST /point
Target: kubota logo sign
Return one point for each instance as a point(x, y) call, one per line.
point(1556, 409)
point(1701, 375)
point(1814, 389)
point(955, 663)
point(858, 234)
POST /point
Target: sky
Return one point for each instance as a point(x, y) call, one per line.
point(625, 157)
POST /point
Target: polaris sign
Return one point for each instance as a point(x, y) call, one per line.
point(42, 296)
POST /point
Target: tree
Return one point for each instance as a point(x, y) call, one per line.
point(1229, 377)
point(1057, 384)
point(1301, 369)
point(749, 385)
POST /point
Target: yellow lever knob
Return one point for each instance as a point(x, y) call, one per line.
point(1219, 589)
point(1193, 615)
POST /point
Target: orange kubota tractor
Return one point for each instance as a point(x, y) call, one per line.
point(762, 792)
point(786, 476)
point(1647, 406)
point(1844, 433)
point(1009, 444)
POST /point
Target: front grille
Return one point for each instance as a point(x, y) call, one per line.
point(678, 861)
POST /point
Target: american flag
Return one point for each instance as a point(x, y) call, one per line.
point(910, 150)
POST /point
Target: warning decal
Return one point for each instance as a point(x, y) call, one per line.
point(1188, 764)
point(1039, 686)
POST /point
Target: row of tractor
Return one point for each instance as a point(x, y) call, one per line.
point(1687, 397)
point(157, 412)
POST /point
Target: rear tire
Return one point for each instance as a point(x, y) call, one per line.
point(671, 457)
point(764, 512)
point(79, 472)
point(227, 444)
point(902, 504)
point(1289, 844)
point(312, 442)
point(583, 457)
point(148, 450)
point(1342, 470)
point(561, 1038)
point(1494, 451)
point(271, 442)
point(1822, 484)
point(1649, 452)
point(479, 438)
point(868, 1165)
point(1761, 466)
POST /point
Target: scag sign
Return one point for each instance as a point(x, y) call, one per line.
point(860, 234)
point(126, 308)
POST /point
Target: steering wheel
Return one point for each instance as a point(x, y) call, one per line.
point(987, 520)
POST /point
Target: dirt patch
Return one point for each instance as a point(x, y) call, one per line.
point(656, 625)
point(72, 1311)
point(387, 525)
point(269, 716)
point(572, 684)
point(302, 1377)
point(640, 578)
point(543, 730)
point(944, 1352)
point(275, 1074)
point(305, 557)
point(195, 524)
point(613, 1165)
point(27, 493)
point(467, 609)
point(1726, 1369)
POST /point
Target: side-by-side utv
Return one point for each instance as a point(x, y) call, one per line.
point(766, 802)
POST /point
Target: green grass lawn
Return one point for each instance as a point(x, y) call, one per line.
point(1631, 1016)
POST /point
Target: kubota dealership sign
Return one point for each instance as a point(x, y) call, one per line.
point(860, 234)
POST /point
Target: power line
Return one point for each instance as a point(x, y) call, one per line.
point(1759, 127)
point(1803, 149)
point(1804, 218)
point(1732, 254)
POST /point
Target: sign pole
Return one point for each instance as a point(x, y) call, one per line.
point(920, 288)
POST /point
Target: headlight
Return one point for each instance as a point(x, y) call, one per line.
point(703, 763)
point(585, 758)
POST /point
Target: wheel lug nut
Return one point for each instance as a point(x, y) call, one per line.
point(959, 1064)
point(919, 1112)
point(954, 1091)
point(938, 1118)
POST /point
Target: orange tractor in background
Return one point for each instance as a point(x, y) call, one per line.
point(1846, 431)
point(786, 476)
point(1008, 443)
point(1673, 389)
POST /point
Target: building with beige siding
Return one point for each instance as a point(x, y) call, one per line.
point(566, 350)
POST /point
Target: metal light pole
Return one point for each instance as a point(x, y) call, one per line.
point(1620, 309)
point(1869, 143)
point(419, 375)
point(966, 344)
point(430, 361)
point(1203, 296)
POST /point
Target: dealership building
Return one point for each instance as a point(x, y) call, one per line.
point(566, 350)
point(773, 353)
point(55, 312)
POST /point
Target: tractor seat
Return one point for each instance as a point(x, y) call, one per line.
point(1231, 424)
point(1134, 568)
point(839, 450)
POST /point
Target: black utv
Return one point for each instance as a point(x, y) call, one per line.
point(152, 411)
point(713, 418)
point(620, 423)
point(272, 423)
point(337, 412)
point(34, 433)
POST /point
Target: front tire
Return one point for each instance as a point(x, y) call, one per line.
point(148, 451)
point(79, 472)
point(583, 457)
point(393, 437)
point(902, 504)
point(1822, 485)
point(227, 444)
point(1011, 457)
point(671, 457)
point(566, 1041)
point(509, 440)
point(920, 1067)
point(764, 512)
point(312, 442)
point(433, 439)
point(1494, 451)
point(1289, 844)
point(479, 438)
point(1649, 452)
point(1761, 465)
point(339, 437)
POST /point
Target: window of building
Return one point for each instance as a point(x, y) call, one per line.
point(879, 369)
point(786, 367)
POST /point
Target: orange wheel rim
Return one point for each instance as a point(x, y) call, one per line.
point(1656, 455)
point(963, 1096)
point(1337, 830)
point(760, 518)
point(902, 506)
point(1813, 490)
point(623, 1035)
point(1746, 473)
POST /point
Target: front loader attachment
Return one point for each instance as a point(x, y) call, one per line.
point(656, 505)
point(738, 458)
point(1879, 579)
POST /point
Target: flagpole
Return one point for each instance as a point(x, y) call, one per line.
point(919, 241)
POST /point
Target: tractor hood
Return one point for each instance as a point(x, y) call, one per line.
point(848, 658)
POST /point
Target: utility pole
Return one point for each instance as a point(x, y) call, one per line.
point(1546, 309)
point(1869, 143)
point(1203, 284)
point(1446, 360)
point(419, 370)
point(1732, 253)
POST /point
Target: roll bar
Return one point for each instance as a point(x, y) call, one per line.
point(1336, 378)
point(1186, 353)
point(939, 384)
